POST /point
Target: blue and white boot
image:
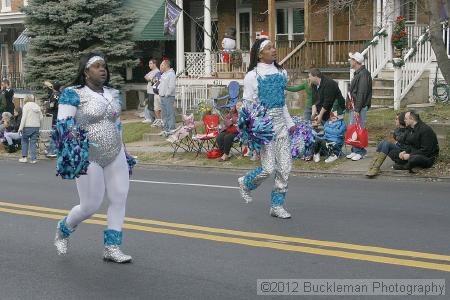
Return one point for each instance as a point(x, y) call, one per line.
point(63, 232)
point(112, 252)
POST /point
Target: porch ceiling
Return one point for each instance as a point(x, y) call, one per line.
point(149, 24)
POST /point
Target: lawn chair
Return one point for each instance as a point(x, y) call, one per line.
point(45, 133)
point(232, 96)
point(207, 140)
point(182, 136)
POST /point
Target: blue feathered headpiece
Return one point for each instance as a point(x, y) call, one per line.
point(302, 138)
point(255, 127)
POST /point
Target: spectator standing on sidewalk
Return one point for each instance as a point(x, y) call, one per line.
point(9, 96)
point(149, 110)
point(29, 128)
point(361, 95)
point(167, 93)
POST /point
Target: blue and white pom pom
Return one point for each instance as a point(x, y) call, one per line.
point(255, 127)
point(302, 139)
point(72, 147)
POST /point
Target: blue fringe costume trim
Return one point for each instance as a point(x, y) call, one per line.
point(248, 179)
point(271, 90)
point(66, 231)
point(112, 237)
point(277, 198)
point(255, 127)
point(70, 97)
point(72, 149)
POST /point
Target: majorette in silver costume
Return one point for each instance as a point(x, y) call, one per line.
point(98, 114)
point(265, 85)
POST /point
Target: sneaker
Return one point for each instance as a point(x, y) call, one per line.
point(114, 254)
point(331, 158)
point(279, 212)
point(23, 160)
point(316, 157)
point(351, 155)
point(245, 192)
point(155, 123)
point(357, 157)
point(33, 161)
point(162, 133)
point(147, 121)
point(53, 155)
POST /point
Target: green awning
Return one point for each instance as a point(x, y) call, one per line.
point(149, 25)
point(21, 43)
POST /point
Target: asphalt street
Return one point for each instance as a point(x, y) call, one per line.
point(192, 237)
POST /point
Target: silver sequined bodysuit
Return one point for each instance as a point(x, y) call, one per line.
point(98, 114)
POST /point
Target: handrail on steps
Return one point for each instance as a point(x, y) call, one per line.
point(292, 52)
point(375, 39)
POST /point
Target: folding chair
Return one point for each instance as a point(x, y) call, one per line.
point(207, 140)
point(232, 96)
point(182, 136)
point(45, 133)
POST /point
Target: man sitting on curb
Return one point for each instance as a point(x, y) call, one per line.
point(386, 148)
point(423, 147)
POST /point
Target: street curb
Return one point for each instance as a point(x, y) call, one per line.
point(303, 172)
point(384, 174)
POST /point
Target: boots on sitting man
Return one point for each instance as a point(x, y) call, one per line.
point(377, 161)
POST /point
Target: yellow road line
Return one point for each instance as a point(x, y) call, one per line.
point(254, 243)
point(346, 246)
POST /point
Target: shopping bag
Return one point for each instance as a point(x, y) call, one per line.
point(356, 136)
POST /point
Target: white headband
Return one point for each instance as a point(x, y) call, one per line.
point(263, 44)
point(94, 59)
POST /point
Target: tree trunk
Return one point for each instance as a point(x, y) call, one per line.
point(437, 42)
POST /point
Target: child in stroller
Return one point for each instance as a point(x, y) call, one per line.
point(330, 144)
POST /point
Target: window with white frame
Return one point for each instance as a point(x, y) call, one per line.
point(6, 5)
point(408, 9)
point(290, 24)
point(244, 29)
point(4, 60)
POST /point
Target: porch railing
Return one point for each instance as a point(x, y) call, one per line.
point(285, 47)
point(376, 55)
point(320, 54)
point(414, 65)
point(414, 32)
point(221, 62)
point(189, 96)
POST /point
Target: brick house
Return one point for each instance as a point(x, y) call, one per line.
point(13, 42)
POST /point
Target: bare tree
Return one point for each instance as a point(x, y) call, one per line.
point(434, 9)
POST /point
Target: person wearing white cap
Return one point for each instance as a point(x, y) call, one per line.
point(360, 93)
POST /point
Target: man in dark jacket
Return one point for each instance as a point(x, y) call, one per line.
point(422, 145)
point(326, 96)
point(360, 94)
point(9, 96)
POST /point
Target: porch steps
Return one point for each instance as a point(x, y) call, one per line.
point(382, 92)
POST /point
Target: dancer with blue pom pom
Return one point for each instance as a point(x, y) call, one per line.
point(88, 140)
point(265, 124)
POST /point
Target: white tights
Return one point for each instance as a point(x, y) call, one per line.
point(113, 178)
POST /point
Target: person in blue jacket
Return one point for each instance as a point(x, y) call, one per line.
point(331, 142)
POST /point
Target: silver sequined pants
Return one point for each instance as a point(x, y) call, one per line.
point(275, 157)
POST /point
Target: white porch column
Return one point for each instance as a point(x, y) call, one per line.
point(207, 37)
point(388, 11)
point(180, 40)
point(379, 15)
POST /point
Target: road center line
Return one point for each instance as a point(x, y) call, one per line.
point(254, 243)
point(267, 237)
point(186, 184)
